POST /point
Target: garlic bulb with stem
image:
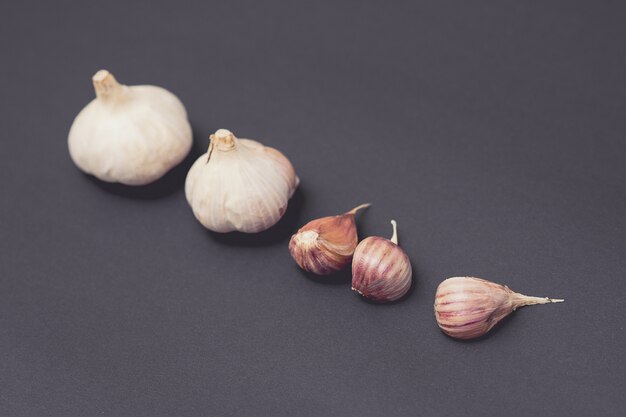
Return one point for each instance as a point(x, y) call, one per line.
point(129, 134)
point(381, 270)
point(468, 307)
point(239, 185)
point(326, 245)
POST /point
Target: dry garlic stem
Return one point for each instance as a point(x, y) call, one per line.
point(106, 85)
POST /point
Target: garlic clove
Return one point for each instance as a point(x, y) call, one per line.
point(468, 307)
point(239, 185)
point(381, 270)
point(129, 134)
point(324, 246)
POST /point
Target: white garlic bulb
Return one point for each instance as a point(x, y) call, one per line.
point(129, 134)
point(239, 185)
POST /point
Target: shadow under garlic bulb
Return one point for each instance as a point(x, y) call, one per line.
point(468, 307)
point(129, 134)
point(326, 245)
point(381, 270)
point(239, 185)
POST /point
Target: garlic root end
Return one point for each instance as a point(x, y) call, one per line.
point(357, 290)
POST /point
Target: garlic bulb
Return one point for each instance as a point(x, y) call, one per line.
point(326, 245)
point(467, 307)
point(381, 270)
point(129, 134)
point(239, 184)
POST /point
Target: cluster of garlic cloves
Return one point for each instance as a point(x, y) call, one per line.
point(381, 270)
point(135, 134)
point(239, 185)
point(324, 246)
point(129, 134)
point(468, 307)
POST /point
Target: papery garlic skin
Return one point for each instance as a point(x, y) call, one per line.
point(468, 307)
point(381, 270)
point(324, 246)
point(239, 185)
point(129, 134)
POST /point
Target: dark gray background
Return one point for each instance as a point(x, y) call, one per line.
point(493, 131)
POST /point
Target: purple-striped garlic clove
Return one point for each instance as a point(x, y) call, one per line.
point(326, 245)
point(381, 270)
point(467, 307)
